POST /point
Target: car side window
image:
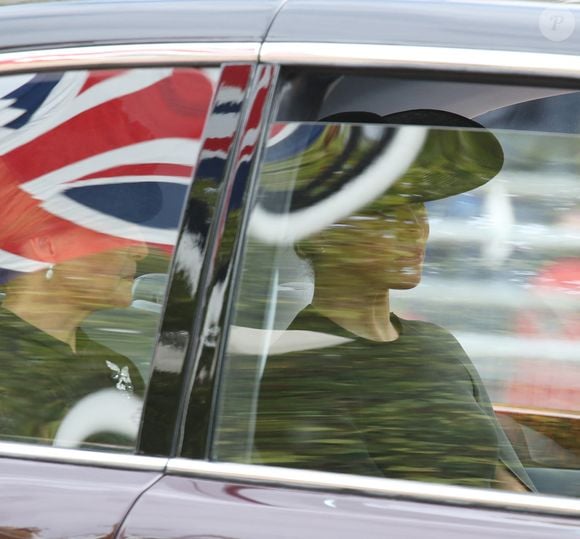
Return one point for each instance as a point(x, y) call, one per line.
point(408, 292)
point(94, 170)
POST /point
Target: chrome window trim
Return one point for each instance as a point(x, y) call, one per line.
point(147, 54)
point(374, 486)
point(422, 57)
point(100, 459)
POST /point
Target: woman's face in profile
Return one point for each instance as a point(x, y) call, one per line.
point(101, 280)
point(385, 245)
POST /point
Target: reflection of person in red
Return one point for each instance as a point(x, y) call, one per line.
point(81, 198)
point(542, 383)
point(49, 362)
point(58, 299)
point(555, 283)
point(551, 382)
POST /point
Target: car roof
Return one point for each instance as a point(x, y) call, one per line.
point(480, 24)
point(530, 26)
point(83, 22)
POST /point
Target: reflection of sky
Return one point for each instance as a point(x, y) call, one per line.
point(463, 206)
point(550, 115)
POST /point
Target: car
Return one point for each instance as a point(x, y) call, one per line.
point(211, 210)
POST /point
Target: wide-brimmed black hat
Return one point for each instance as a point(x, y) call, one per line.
point(319, 172)
point(458, 155)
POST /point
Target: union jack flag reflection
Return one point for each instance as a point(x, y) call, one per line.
point(95, 160)
point(94, 171)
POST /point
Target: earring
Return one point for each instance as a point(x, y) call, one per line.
point(49, 272)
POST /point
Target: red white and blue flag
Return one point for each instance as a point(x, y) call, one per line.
point(106, 156)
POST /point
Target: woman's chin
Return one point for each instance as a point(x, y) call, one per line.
point(121, 299)
point(407, 285)
point(404, 280)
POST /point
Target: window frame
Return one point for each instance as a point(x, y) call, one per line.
point(197, 361)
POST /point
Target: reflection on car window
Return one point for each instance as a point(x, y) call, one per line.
point(94, 168)
point(359, 345)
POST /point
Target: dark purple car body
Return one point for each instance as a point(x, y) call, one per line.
point(164, 491)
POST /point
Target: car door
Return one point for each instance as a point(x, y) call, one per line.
point(110, 135)
point(288, 427)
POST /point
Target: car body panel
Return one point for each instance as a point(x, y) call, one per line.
point(56, 499)
point(42, 499)
point(205, 508)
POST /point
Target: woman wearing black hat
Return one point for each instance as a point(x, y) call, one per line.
point(383, 396)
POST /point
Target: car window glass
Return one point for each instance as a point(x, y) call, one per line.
point(94, 170)
point(408, 296)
